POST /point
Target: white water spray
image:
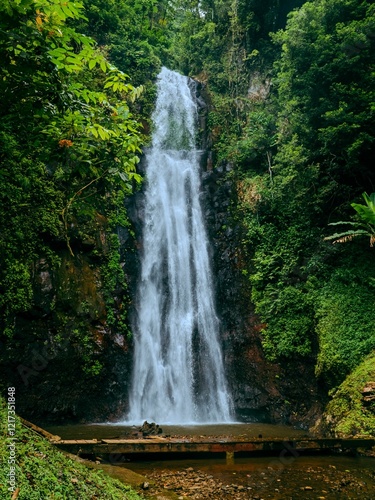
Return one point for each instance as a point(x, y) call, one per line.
point(178, 372)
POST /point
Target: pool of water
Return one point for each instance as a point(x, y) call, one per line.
point(107, 431)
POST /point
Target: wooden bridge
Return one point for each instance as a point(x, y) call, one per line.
point(210, 444)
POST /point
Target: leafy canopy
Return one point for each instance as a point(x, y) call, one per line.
point(68, 136)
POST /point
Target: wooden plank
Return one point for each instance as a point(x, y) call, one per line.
point(39, 430)
point(77, 441)
point(121, 441)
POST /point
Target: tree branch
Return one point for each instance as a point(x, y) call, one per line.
point(65, 211)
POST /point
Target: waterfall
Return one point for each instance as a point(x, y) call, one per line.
point(178, 374)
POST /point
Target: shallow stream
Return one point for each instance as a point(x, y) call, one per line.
point(322, 477)
point(286, 476)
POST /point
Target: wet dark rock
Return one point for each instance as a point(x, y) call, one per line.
point(150, 429)
point(44, 293)
point(262, 391)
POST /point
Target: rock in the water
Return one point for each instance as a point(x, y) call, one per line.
point(150, 429)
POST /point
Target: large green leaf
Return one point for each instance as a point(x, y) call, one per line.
point(367, 213)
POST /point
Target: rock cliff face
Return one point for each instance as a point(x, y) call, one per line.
point(262, 391)
point(67, 361)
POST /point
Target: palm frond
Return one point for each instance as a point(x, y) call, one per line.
point(346, 236)
point(350, 223)
point(364, 227)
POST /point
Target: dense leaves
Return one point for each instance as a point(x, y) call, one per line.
point(348, 413)
point(323, 159)
point(326, 90)
point(345, 316)
point(68, 139)
point(300, 136)
point(134, 34)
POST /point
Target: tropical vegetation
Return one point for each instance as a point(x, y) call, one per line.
point(41, 471)
point(291, 95)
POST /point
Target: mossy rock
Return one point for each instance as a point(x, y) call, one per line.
point(351, 412)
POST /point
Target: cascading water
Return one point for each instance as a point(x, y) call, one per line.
point(178, 366)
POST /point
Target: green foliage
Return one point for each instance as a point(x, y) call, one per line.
point(366, 212)
point(346, 415)
point(289, 324)
point(365, 225)
point(326, 88)
point(277, 272)
point(44, 472)
point(300, 137)
point(345, 313)
point(114, 279)
point(134, 36)
point(245, 132)
point(67, 136)
point(320, 147)
point(29, 214)
point(85, 350)
point(222, 40)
